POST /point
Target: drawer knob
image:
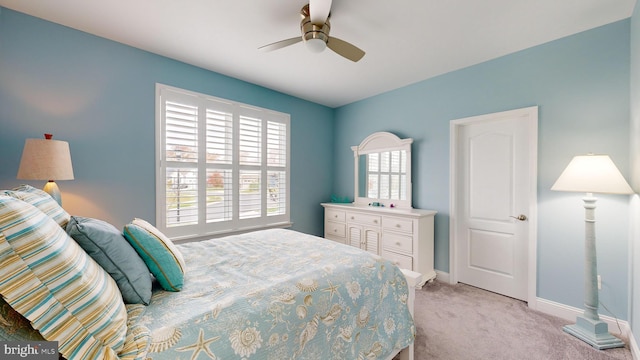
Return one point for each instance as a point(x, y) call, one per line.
point(398, 225)
point(375, 221)
point(352, 218)
point(335, 216)
point(398, 243)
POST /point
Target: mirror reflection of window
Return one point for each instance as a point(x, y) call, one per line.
point(374, 162)
point(395, 186)
point(372, 186)
point(384, 162)
point(373, 167)
point(384, 186)
point(386, 175)
point(383, 171)
point(395, 161)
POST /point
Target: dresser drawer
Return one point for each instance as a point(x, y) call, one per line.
point(402, 261)
point(364, 219)
point(334, 215)
point(398, 224)
point(334, 229)
point(397, 242)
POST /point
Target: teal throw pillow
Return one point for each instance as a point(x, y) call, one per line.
point(106, 245)
point(160, 254)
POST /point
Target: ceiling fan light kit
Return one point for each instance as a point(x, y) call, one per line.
point(315, 30)
point(316, 45)
point(314, 36)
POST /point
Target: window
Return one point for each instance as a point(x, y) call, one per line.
point(222, 166)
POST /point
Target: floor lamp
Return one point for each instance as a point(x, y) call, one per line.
point(592, 174)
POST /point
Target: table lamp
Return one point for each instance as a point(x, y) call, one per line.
point(46, 159)
point(592, 174)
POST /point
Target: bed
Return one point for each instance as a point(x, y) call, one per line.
point(270, 294)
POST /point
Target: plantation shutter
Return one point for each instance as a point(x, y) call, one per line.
point(276, 162)
point(181, 153)
point(250, 175)
point(219, 142)
point(222, 166)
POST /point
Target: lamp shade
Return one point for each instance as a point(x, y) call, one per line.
point(592, 174)
point(45, 159)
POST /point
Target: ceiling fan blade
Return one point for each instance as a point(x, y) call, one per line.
point(319, 11)
point(345, 49)
point(280, 44)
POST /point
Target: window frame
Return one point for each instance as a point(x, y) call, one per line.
point(237, 110)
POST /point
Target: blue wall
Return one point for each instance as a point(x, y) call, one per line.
point(100, 97)
point(581, 85)
point(634, 245)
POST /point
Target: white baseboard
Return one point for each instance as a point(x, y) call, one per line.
point(442, 276)
point(569, 313)
point(633, 346)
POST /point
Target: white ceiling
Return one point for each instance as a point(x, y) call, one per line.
point(406, 41)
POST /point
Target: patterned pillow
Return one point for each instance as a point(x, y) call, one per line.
point(42, 201)
point(51, 281)
point(161, 256)
point(106, 245)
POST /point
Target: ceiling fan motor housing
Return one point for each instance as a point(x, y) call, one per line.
point(313, 31)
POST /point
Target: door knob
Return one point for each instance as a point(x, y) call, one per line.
point(520, 217)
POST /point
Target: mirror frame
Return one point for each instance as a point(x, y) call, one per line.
point(380, 142)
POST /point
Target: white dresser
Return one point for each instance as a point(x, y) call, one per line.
point(403, 236)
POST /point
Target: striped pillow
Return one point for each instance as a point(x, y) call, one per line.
point(162, 257)
point(51, 281)
point(138, 336)
point(14, 326)
point(42, 201)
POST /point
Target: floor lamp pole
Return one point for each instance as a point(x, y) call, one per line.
point(588, 327)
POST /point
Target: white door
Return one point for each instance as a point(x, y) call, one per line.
point(494, 206)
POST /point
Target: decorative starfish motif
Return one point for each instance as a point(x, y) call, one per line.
point(201, 345)
point(332, 289)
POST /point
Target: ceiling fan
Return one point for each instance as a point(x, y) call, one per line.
point(315, 29)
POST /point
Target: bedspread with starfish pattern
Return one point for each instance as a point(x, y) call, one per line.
point(280, 294)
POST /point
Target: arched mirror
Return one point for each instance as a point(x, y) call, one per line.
point(383, 171)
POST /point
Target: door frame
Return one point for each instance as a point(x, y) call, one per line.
point(529, 114)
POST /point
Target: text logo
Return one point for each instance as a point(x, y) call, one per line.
point(32, 350)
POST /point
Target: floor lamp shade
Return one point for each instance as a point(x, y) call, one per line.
point(46, 159)
point(592, 174)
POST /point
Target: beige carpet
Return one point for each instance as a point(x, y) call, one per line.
point(462, 322)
